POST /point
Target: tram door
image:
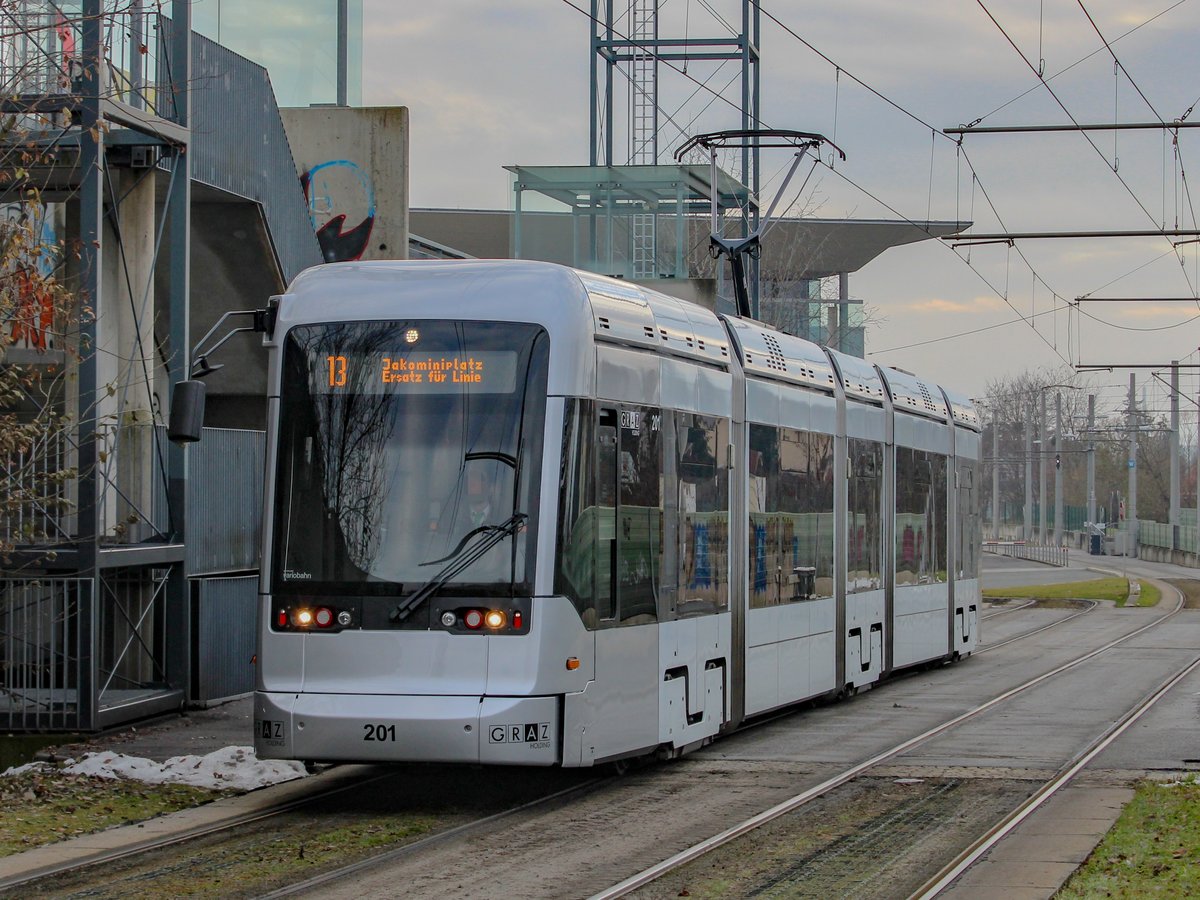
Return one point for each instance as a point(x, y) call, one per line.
point(624, 699)
point(629, 528)
point(968, 537)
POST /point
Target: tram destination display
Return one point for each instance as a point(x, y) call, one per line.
point(485, 371)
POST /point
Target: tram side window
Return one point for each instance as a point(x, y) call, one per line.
point(605, 555)
point(969, 523)
point(791, 515)
point(864, 539)
point(578, 517)
point(920, 516)
point(701, 444)
point(610, 537)
point(763, 552)
point(639, 514)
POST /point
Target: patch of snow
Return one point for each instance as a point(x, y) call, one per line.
point(235, 768)
point(20, 770)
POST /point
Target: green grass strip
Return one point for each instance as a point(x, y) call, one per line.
point(1114, 589)
point(1150, 595)
point(1153, 850)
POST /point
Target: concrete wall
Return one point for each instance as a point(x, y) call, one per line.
point(353, 164)
point(1163, 555)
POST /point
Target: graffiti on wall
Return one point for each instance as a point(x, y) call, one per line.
point(30, 320)
point(339, 191)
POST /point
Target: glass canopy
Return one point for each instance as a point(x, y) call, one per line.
point(637, 222)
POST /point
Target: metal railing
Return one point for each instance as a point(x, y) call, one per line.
point(1041, 553)
point(37, 507)
point(58, 674)
point(41, 44)
point(41, 662)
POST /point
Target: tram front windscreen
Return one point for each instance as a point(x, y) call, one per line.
point(403, 448)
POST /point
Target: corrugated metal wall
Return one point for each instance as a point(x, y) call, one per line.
point(239, 145)
point(224, 501)
point(223, 623)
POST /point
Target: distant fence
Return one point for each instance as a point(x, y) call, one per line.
point(1159, 534)
point(1051, 556)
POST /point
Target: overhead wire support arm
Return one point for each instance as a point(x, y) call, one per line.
point(1136, 300)
point(1049, 235)
point(1108, 367)
point(738, 249)
point(1098, 126)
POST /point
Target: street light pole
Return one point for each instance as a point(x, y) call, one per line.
point(1091, 461)
point(1058, 475)
point(1027, 517)
point(1042, 475)
point(996, 472)
point(1131, 499)
point(1173, 513)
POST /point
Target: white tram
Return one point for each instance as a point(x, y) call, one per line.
point(522, 514)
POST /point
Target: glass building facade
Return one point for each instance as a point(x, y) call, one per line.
point(298, 41)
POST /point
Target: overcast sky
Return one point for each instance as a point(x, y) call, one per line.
point(493, 83)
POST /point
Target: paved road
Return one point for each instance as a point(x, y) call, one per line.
point(1001, 572)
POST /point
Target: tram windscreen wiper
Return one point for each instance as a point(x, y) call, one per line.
point(472, 547)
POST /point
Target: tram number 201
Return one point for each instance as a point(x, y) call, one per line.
point(374, 732)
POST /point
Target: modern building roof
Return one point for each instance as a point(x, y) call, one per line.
point(793, 249)
point(825, 247)
point(676, 188)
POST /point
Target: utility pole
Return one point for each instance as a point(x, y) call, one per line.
point(1131, 499)
point(1058, 475)
point(996, 472)
point(1173, 514)
point(1027, 516)
point(1091, 460)
point(1042, 475)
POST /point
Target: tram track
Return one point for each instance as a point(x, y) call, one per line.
point(348, 875)
point(1008, 609)
point(137, 865)
point(466, 830)
point(1092, 604)
point(396, 854)
point(976, 848)
point(345, 781)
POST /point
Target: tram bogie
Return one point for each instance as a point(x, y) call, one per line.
point(519, 514)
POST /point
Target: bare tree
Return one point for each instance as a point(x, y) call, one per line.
point(39, 316)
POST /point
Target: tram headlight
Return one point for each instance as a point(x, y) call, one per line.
point(448, 619)
point(494, 618)
point(312, 618)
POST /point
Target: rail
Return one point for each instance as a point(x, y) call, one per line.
point(751, 824)
point(1041, 553)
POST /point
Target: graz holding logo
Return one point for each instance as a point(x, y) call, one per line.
point(529, 733)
